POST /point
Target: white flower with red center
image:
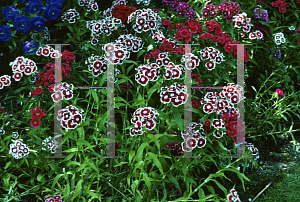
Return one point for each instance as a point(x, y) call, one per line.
point(208, 108)
point(191, 142)
point(218, 134)
point(210, 65)
point(16, 135)
point(2, 132)
point(218, 123)
point(201, 142)
point(18, 149)
point(49, 144)
point(57, 96)
point(258, 34)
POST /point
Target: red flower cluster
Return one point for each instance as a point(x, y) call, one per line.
point(126, 86)
point(68, 56)
point(197, 79)
point(196, 103)
point(185, 32)
point(36, 113)
point(122, 12)
point(146, 73)
point(1, 110)
point(49, 76)
point(173, 71)
point(263, 28)
point(36, 91)
point(209, 9)
point(281, 4)
point(192, 137)
point(233, 196)
point(167, 22)
point(171, 46)
point(63, 91)
point(158, 37)
point(229, 9)
point(259, 1)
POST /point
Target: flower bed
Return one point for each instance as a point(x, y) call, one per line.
point(119, 87)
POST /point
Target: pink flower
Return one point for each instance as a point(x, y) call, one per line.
point(1, 110)
point(280, 92)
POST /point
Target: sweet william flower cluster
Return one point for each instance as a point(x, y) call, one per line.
point(35, 114)
point(70, 117)
point(49, 144)
point(18, 149)
point(22, 65)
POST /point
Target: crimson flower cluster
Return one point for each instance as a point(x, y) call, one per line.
point(185, 32)
point(158, 37)
point(68, 56)
point(70, 15)
point(5, 81)
point(18, 149)
point(122, 12)
point(63, 91)
point(1, 111)
point(209, 10)
point(281, 5)
point(49, 76)
point(36, 91)
point(35, 114)
point(167, 22)
point(49, 144)
point(55, 198)
point(233, 196)
point(89, 4)
point(182, 8)
point(20, 65)
point(197, 79)
point(145, 20)
point(229, 9)
point(280, 92)
point(174, 93)
point(171, 46)
point(241, 20)
point(143, 117)
point(146, 73)
point(263, 28)
point(213, 55)
point(70, 117)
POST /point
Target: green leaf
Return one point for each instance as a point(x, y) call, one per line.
point(56, 180)
point(178, 119)
point(141, 52)
point(147, 181)
point(129, 68)
point(77, 189)
point(283, 116)
point(40, 177)
point(156, 161)
point(7, 165)
point(140, 151)
point(130, 61)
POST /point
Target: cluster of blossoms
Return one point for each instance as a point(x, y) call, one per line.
point(276, 54)
point(28, 45)
point(89, 4)
point(145, 20)
point(97, 65)
point(5, 81)
point(36, 91)
point(253, 149)
point(193, 138)
point(48, 51)
point(213, 55)
point(173, 71)
point(70, 15)
point(209, 10)
point(197, 79)
point(280, 92)
point(281, 5)
point(182, 8)
point(171, 46)
point(241, 20)
point(16, 135)
point(122, 12)
point(229, 9)
point(191, 61)
point(256, 35)
point(167, 22)
point(70, 117)
point(233, 196)
point(143, 117)
point(132, 43)
point(279, 38)
point(49, 144)
point(262, 15)
point(158, 37)
point(146, 73)
point(68, 56)
point(263, 28)
point(35, 114)
point(55, 198)
point(63, 91)
point(106, 26)
point(18, 149)
point(172, 145)
point(174, 93)
point(20, 65)
point(185, 32)
point(146, 2)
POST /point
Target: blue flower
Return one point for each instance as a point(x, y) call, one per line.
point(28, 45)
point(33, 7)
point(55, 1)
point(10, 12)
point(5, 33)
point(38, 23)
point(22, 23)
point(23, 1)
point(52, 11)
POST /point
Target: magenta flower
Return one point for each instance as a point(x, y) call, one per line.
point(280, 92)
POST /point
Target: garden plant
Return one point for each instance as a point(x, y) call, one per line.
point(60, 59)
